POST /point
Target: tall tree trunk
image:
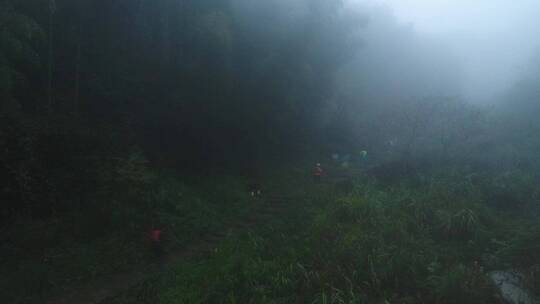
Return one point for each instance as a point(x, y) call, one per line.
point(52, 10)
point(181, 30)
point(165, 32)
point(76, 105)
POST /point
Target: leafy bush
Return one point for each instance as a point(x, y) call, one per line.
point(462, 224)
point(514, 191)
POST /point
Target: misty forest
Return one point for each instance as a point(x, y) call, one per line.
point(276, 151)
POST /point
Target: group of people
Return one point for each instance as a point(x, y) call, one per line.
point(254, 189)
point(344, 161)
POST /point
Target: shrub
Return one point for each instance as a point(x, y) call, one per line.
point(462, 224)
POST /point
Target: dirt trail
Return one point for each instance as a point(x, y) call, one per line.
point(112, 285)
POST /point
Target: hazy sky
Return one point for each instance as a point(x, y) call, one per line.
point(496, 16)
point(494, 38)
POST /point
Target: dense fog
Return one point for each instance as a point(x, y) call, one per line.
point(218, 83)
point(269, 151)
point(477, 50)
point(494, 40)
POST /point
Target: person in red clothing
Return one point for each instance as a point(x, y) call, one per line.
point(317, 173)
point(156, 239)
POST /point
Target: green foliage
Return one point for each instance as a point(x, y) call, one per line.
point(462, 284)
point(462, 224)
point(375, 245)
point(18, 37)
point(196, 84)
point(513, 191)
point(522, 252)
point(204, 74)
point(112, 237)
point(395, 244)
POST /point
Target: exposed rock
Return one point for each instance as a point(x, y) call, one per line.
point(510, 284)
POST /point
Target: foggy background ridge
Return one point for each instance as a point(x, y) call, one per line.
point(494, 40)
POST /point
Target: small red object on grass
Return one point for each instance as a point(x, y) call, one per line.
point(155, 235)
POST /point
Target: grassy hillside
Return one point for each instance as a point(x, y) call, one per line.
point(432, 243)
point(42, 258)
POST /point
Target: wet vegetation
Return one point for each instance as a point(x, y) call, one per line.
point(430, 244)
point(118, 118)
